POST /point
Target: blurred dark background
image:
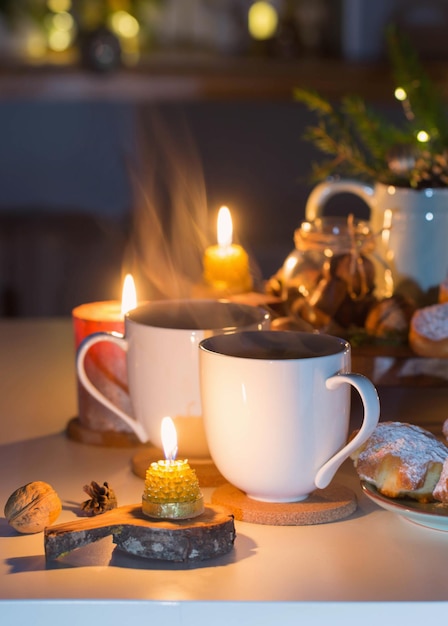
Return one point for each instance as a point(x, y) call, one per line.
point(89, 99)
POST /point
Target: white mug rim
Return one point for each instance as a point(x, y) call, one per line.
point(255, 314)
point(339, 345)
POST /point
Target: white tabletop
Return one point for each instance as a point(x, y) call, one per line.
point(373, 564)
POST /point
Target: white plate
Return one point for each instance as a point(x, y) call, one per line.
point(431, 515)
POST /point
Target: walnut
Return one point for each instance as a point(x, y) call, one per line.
point(102, 499)
point(33, 507)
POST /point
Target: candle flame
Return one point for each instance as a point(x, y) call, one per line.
point(129, 296)
point(225, 227)
point(169, 438)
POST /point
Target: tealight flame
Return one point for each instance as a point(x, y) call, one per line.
point(169, 438)
point(129, 296)
point(225, 227)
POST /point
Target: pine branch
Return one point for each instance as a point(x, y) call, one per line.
point(362, 143)
point(347, 157)
point(334, 135)
point(374, 133)
point(424, 106)
point(313, 101)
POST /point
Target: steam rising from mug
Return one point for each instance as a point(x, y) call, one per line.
point(171, 227)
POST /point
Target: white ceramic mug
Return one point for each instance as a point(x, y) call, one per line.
point(276, 409)
point(161, 341)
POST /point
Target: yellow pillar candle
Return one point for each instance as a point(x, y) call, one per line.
point(226, 265)
point(171, 487)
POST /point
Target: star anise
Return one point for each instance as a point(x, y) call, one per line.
point(102, 499)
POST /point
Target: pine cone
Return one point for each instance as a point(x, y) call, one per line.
point(102, 499)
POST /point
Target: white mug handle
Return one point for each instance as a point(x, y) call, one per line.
point(370, 400)
point(322, 192)
point(83, 348)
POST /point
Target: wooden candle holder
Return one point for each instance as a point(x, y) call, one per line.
point(205, 537)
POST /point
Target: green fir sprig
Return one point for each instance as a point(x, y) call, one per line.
point(359, 142)
point(424, 108)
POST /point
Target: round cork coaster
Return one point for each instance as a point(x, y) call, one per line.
point(322, 506)
point(108, 438)
point(206, 471)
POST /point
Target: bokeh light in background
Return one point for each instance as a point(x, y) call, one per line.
point(59, 6)
point(61, 29)
point(34, 44)
point(423, 136)
point(262, 20)
point(126, 27)
point(400, 94)
point(124, 24)
point(59, 22)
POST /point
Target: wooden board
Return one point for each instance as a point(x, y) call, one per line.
point(204, 537)
point(322, 506)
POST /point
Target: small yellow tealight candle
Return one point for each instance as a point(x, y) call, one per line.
point(171, 487)
point(226, 265)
